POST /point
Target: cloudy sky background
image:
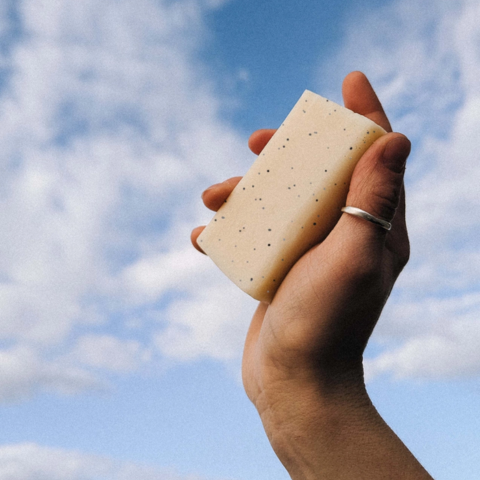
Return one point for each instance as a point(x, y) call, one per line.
point(120, 345)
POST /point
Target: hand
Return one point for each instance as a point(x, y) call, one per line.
point(302, 364)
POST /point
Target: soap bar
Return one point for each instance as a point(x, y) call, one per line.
point(291, 197)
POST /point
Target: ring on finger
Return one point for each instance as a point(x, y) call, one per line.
point(367, 216)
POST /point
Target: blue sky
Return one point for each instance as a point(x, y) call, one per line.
point(120, 345)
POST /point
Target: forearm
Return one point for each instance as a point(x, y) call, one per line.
point(338, 436)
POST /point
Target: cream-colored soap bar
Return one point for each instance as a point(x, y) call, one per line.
point(291, 197)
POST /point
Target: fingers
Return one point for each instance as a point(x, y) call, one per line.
point(360, 97)
point(378, 179)
point(214, 196)
point(259, 139)
point(193, 237)
point(377, 182)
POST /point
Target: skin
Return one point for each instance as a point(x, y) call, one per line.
point(303, 356)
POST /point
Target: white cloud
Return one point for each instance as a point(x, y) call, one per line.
point(212, 323)
point(438, 338)
point(29, 461)
point(110, 131)
point(425, 65)
point(175, 269)
point(110, 353)
point(111, 128)
point(209, 317)
point(25, 372)
point(444, 353)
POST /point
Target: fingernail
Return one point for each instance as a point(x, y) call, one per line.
point(396, 153)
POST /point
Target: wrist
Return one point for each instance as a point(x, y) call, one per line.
point(334, 433)
point(322, 446)
point(301, 413)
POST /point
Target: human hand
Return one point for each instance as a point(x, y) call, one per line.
point(302, 364)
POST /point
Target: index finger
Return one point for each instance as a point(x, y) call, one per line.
point(359, 96)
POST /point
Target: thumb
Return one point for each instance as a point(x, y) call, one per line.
point(377, 186)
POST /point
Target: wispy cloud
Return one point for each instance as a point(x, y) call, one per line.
point(29, 461)
point(425, 65)
point(26, 372)
point(111, 128)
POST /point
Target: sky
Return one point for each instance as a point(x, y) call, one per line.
point(120, 345)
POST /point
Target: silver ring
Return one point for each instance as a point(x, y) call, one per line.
point(362, 214)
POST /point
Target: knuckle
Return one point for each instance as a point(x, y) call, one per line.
point(384, 199)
